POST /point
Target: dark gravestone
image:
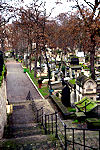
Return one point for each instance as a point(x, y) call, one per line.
point(55, 77)
point(66, 96)
point(63, 82)
point(63, 69)
point(74, 61)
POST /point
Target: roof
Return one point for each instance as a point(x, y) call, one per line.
point(86, 102)
point(81, 80)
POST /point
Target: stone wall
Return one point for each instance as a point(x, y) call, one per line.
point(3, 114)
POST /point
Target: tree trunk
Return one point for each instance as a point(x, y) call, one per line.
point(36, 59)
point(40, 63)
point(2, 45)
point(16, 53)
point(35, 66)
point(92, 67)
point(92, 54)
point(49, 73)
point(26, 61)
point(30, 55)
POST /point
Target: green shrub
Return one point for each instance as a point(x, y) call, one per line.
point(1, 78)
point(72, 81)
point(2, 75)
point(75, 121)
point(70, 109)
point(0, 83)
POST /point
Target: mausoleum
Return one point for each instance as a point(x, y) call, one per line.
point(85, 87)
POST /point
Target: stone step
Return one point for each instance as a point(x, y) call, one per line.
point(23, 125)
point(36, 142)
point(20, 131)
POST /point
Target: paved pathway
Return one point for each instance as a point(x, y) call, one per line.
point(18, 84)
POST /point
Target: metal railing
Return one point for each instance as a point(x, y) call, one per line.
point(70, 138)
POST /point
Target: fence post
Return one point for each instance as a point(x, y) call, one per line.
point(42, 115)
point(48, 125)
point(99, 139)
point(45, 125)
point(56, 125)
point(52, 123)
point(65, 137)
point(84, 138)
point(73, 139)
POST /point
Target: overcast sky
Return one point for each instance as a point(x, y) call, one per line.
point(64, 6)
point(58, 7)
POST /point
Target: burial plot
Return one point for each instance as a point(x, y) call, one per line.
point(89, 107)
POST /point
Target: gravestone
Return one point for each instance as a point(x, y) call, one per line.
point(45, 69)
point(56, 75)
point(74, 61)
point(66, 96)
point(63, 70)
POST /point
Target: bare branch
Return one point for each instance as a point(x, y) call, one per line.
point(89, 3)
point(50, 12)
point(94, 9)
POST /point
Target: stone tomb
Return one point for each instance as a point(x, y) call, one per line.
point(85, 87)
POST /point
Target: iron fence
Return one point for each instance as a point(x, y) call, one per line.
point(70, 138)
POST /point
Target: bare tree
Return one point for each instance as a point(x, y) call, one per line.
point(92, 27)
point(7, 12)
